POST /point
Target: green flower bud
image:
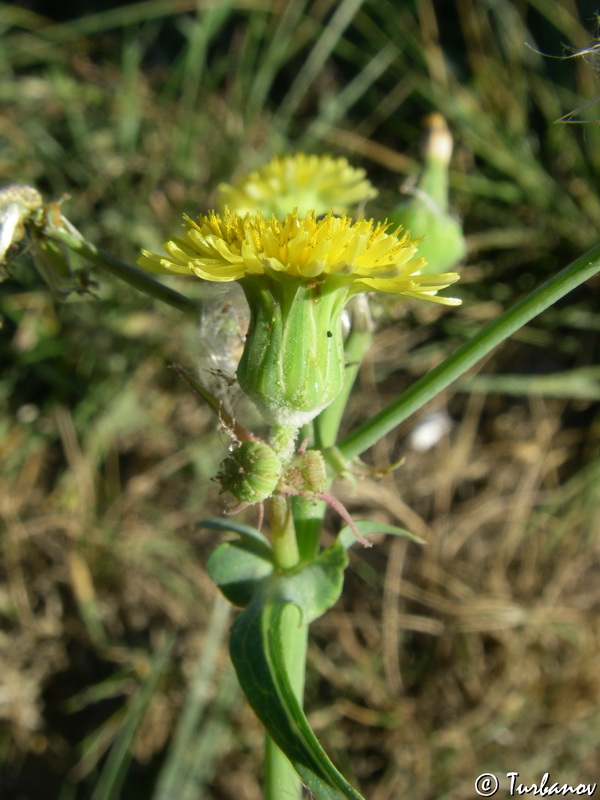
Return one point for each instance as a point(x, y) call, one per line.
point(251, 472)
point(307, 473)
point(293, 361)
point(425, 213)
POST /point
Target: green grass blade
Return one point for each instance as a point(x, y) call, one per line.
point(209, 21)
point(276, 53)
point(177, 775)
point(581, 383)
point(339, 105)
point(321, 51)
point(113, 774)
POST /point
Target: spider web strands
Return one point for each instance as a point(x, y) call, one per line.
point(227, 420)
point(222, 327)
point(591, 56)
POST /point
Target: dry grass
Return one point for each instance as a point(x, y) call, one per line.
point(476, 652)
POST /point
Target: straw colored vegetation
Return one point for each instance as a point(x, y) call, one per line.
point(477, 652)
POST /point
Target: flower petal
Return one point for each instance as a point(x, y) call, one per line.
point(360, 254)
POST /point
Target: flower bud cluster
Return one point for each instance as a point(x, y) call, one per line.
point(253, 472)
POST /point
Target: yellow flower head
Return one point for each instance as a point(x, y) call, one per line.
point(358, 256)
point(304, 182)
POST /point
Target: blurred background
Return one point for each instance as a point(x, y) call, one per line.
point(475, 653)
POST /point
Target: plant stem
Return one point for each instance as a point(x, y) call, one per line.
point(281, 779)
point(283, 532)
point(327, 424)
point(308, 517)
point(71, 238)
point(283, 440)
point(469, 354)
point(309, 514)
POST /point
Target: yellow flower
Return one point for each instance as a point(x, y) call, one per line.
point(304, 182)
point(358, 256)
point(297, 274)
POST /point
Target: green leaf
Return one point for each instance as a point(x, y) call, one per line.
point(347, 538)
point(259, 656)
point(239, 569)
point(316, 586)
point(247, 532)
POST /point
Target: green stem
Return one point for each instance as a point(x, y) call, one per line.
point(283, 532)
point(469, 354)
point(281, 779)
point(327, 424)
point(308, 517)
point(71, 238)
point(309, 514)
point(283, 441)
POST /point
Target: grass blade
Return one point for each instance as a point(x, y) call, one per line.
point(113, 774)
